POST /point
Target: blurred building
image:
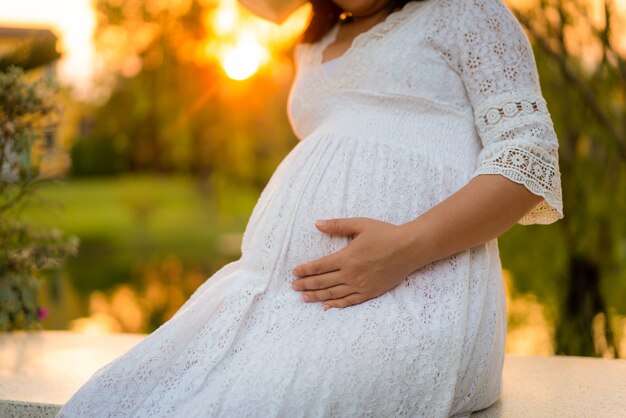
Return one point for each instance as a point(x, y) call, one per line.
point(35, 50)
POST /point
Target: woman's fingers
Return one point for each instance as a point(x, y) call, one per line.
point(349, 300)
point(324, 264)
point(329, 288)
point(320, 281)
point(335, 292)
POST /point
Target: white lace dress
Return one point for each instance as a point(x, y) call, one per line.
point(440, 92)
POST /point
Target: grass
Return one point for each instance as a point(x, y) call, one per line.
point(147, 213)
point(123, 219)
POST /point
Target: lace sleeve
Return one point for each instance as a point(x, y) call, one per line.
point(495, 61)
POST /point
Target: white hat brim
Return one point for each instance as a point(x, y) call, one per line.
point(276, 11)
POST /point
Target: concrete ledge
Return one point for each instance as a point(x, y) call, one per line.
point(560, 386)
point(39, 371)
point(18, 409)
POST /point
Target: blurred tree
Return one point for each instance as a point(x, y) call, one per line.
point(581, 259)
point(24, 250)
point(172, 109)
point(96, 155)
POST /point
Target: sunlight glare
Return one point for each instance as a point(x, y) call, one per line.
point(244, 59)
point(244, 42)
point(224, 19)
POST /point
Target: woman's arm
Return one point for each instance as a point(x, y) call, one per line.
point(483, 209)
point(382, 254)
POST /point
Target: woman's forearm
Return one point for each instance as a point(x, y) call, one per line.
point(483, 209)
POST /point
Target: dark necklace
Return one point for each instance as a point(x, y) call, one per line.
point(347, 17)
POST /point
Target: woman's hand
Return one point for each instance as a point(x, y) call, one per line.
point(382, 254)
point(373, 263)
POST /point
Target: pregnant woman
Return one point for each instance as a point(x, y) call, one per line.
point(422, 137)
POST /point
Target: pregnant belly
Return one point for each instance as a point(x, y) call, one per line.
point(341, 177)
point(327, 177)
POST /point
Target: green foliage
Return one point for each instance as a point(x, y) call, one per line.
point(96, 156)
point(586, 250)
point(25, 251)
point(125, 219)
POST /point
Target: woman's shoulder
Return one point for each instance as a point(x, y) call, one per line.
point(462, 8)
point(474, 30)
point(463, 18)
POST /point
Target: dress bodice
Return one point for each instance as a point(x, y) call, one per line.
point(453, 81)
point(329, 66)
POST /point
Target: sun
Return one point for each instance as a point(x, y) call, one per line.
point(242, 43)
point(244, 59)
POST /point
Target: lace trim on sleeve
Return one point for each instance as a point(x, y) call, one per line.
point(504, 111)
point(520, 144)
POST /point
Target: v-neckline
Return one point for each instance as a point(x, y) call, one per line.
point(332, 36)
point(391, 19)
